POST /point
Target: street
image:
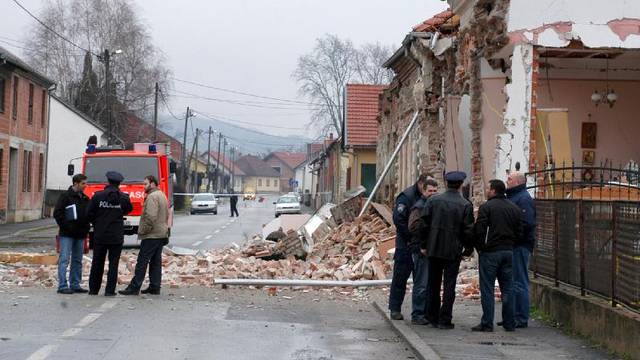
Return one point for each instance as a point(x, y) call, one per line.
point(193, 323)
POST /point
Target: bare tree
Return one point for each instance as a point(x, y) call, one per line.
point(323, 74)
point(369, 61)
point(97, 25)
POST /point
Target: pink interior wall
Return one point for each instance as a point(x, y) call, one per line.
point(618, 127)
point(492, 124)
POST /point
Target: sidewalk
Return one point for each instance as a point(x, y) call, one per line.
point(7, 230)
point(538, 341)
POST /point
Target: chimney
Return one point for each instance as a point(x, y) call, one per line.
point(330, 136)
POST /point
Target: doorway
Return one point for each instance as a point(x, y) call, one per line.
point(368, 177)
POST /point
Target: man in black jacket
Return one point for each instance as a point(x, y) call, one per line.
point(496, 231)
point(402, 261)
point(233, 203)
point(71, 216)
point(106, 212)
point(448, 221)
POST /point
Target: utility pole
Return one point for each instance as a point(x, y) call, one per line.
point(155, 115)
point(107, 91)
point(209, 160)
point(217, 178)
point(193, 148)
point(197, 187)
point(224, 159)
point(184, 150)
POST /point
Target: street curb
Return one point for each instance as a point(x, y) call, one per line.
point(422, 350)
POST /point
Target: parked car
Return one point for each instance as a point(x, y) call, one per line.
point(297, 195)
point(287, 204)
point(204, 203)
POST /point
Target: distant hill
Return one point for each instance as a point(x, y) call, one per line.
point(249, 141)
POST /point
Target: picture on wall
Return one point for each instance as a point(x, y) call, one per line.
point(589, 135)
point(588, 157)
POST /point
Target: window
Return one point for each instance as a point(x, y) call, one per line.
point(276, 168)
point(259, 182)
point(134, 169)
point(41, 172)
point(30, 118)
point(2, 83)
point(1, 164)
point(268, 182)
point(29, 171)
point(43, 109)
point(26, 171)
point(14, 110)
point(275, 183)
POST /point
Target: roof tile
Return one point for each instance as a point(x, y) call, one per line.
point(362, 114)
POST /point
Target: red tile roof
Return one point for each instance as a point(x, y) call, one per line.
point(435, 22)
point(362, 114)
point(137, 130)
point(290, 159)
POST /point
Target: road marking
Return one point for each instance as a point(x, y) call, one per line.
point(43, 352)
point(88, 319)
point(196, 243)
point(223, 227)
point(107, 305)
point(208, 237)
point(71, 332)
point(217, 231)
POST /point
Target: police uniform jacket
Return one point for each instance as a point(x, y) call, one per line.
point(448, 219)
point(401, 211)
point(106, 212)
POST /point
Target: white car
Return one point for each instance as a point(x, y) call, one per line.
point(287, 204)
point(204, 203)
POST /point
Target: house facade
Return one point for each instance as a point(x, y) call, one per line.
point(258, 177)
point(24, 123)
point(285, 163)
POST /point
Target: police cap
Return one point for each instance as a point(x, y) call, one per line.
point(455, 176)
point(114, 176)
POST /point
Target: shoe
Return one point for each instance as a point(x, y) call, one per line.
point(93, 292)
point(482, 328)
point(448, 326)
point(151, 291)
point(396, 315)
point(509, 329)
point(420, 321)
point(80, 290)
point(65, 291)
point(129, 291)
point(500, 323)
point(109, 294)
point(522, 326)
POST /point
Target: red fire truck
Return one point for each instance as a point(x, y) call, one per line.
point(145, 159)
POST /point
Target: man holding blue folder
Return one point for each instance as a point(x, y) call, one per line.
point(70, 214)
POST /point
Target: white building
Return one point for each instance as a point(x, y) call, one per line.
point(69, 130)
point(303, 176)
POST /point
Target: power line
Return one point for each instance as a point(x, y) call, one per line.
point(166, 104)
point(237, 102)
point(52, 30)
point(230, 121)
point(252, 102)
point(7, 43)
point(242, 93)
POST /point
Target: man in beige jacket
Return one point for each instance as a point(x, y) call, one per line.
point(153, 231)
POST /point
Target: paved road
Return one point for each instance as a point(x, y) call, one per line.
point(193, 323)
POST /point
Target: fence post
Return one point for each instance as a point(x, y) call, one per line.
point(614, 251)
point(556, 245)
point(580, 235)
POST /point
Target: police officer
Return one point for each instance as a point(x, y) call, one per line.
point(106, 212)
point(402, 259)
point(448, 221)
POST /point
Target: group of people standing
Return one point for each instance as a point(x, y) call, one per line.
point(75, 213)
point(435, 231)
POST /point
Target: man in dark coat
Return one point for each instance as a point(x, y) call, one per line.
point(496, 231)
point(518, 194)
point(233, 202)
point(402, 261)
point(71, 216)
point(448, 220)
point(106, 212)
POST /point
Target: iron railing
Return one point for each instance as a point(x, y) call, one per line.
point(593, 245)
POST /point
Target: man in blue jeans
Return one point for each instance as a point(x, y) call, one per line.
point(417, 228)
point(518, 194)
point(71, 216)
point(496, 230)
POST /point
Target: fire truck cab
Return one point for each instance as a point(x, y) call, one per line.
point(145, 159)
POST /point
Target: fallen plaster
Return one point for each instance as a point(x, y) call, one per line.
point(514, 144)
point(550, 37)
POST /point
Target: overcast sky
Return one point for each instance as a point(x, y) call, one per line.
point(251, 45)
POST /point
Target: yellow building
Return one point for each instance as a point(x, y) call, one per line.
point(259, 177)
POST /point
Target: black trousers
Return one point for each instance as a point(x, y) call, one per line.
point(437, 312)
point(234, 209)
point(100, 252)
point(150, 255)
point(402, 268)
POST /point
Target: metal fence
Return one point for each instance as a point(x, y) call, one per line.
point(591, 244)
